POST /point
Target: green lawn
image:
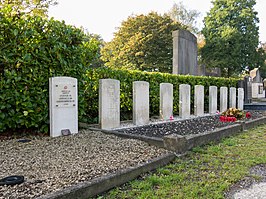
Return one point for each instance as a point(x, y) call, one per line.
point(205, 172)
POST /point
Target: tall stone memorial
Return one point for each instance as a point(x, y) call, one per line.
point(63, 104)
point(109, 103)
point(185, 53)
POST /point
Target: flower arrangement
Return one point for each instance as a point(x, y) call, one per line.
point(234, 114)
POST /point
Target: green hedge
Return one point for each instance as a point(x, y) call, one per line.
point(126, 84)
point(32, 49)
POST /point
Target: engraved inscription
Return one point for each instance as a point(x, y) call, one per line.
point(65, 95)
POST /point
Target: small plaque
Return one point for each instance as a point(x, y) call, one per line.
point(65, 132)
point(65, 95)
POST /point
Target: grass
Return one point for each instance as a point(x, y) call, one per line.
point(205, 172)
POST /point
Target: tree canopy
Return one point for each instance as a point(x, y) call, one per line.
point(231, 36)
point(31, 7)
point(181, 14)
point(142, 42)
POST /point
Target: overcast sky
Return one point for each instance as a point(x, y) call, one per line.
point(103, 16)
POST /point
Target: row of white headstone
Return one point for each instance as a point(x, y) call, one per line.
point(63, 103)
point(109, 101)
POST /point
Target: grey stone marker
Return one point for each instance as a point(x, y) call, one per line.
point(141, 105)
point(232, 97)
point(166, 101)
point(212, 99)
point(185, 52)
point(199, 100)
point(63, 106)
point(240, 99)
point(223, 98)
point(109, 103)
point(184, 100)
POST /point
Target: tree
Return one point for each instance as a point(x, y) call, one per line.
point(231, 35)
point(142, 42)
point(30, 7)
point(181, 14)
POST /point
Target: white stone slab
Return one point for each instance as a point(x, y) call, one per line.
point(63, 104)
point(184, 100)
point(212, 99)
point(166, 101)
point(232, 97)
point(240, 99)
point(223, 99)
point(199, 100)
point(109, 103)
point(141, 105)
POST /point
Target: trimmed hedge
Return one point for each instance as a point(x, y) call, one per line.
point(32, 49)
point(127, 77)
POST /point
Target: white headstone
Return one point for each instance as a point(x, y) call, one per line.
point(232, 97)
point(184, 100)
point(141, 103)
point(199, 100)
point(240, 99)
point(166, 101)
point(109, 103)
point(223, 98)
point(63, 104)
point(212, 99)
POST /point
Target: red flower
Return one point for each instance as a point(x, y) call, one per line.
point(248, 115)
point(222, 118)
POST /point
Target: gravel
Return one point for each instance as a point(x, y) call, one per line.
point(51, 164)
point(250, 187)
point(182, 127)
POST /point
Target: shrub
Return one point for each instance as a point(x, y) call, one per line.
point(32, 50)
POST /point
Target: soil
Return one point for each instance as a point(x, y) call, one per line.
point(183, 127)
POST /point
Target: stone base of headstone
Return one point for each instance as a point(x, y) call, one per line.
point(175, 143)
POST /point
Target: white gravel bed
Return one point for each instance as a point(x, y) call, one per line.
point(51, 164)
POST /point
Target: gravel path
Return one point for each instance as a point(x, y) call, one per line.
point(51, 164)
point(250, 187)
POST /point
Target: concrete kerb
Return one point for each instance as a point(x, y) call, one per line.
point(253, 123)
point(150, 140)
point(99, 185)
point(213, 136)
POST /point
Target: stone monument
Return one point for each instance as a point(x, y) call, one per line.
point(63, 104)
point(141, 103)
point(184, 53)
point(166, 101)
point(109, 103)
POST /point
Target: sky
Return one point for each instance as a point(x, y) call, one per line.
point(104, 16)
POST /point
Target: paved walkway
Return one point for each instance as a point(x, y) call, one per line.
point(257, 191)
